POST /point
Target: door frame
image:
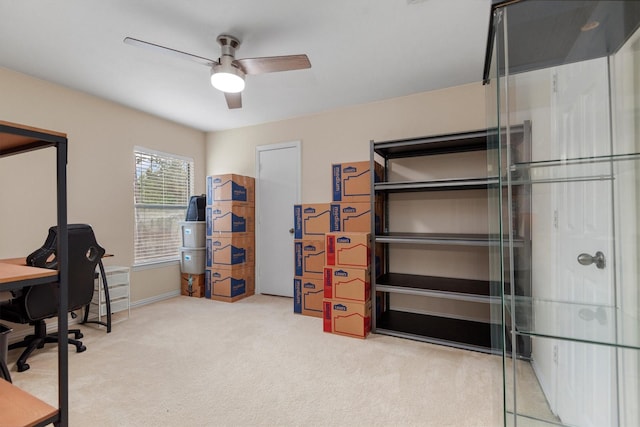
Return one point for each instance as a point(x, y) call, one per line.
point(297, 144)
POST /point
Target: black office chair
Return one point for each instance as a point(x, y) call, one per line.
point(34, 304)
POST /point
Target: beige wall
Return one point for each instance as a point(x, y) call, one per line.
point(101, 136)
point(344, 134)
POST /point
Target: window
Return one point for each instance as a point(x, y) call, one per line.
point(162, 186)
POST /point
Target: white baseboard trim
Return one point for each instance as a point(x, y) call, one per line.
point(155, 298)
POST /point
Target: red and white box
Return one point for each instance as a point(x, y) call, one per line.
point(348, 249)
point(352, 319)
point(348, 284)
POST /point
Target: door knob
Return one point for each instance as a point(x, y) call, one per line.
point(597, 259)
point(291, 230)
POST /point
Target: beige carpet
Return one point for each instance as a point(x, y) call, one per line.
point(196, 362)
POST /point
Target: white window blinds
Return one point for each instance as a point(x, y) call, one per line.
point(162, 186)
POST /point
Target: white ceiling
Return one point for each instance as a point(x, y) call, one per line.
point(360, 50)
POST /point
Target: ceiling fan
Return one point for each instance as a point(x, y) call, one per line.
point(228, 73)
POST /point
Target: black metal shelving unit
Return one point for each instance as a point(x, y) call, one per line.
point(451, 331)
point(16, 139)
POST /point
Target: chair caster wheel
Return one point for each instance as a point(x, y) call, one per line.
point(80, 349)
point(78, 335)
point(23, 367)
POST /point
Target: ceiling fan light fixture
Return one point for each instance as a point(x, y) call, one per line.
point(227, 79)
point(228, 73)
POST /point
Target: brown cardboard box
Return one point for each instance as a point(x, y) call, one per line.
point(351, 217)
point(351, 182)
point(307, 296)
point(309, 258)
point(348, 284)
point(230, 217)
point(348, 249)
point(311, 220)
point(356, 216)
point(192, 285)
point(229, 284)
point(352, 319)
point(230, 188)
point(230, 249)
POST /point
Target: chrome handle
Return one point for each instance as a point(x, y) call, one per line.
point(597, 259)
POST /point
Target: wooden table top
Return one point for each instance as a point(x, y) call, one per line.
point(12, 140)
point(19, 408)
point(14, 269)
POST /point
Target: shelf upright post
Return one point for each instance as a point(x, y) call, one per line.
point(372, 273)
point(63, 277)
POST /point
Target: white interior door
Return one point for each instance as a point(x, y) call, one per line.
point(583, 295)
point(278, 188)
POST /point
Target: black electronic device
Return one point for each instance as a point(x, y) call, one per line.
point(195, 211)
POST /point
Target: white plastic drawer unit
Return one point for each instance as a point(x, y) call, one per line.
point(116, 306)
point(119, 291)
point(114, 278)
point(115, 292)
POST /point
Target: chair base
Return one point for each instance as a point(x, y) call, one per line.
point(39, 339)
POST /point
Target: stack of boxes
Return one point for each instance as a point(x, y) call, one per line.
point(230, 237)
point(349, 212)
point(309, 257)
point(192, 258)
point(347, 286)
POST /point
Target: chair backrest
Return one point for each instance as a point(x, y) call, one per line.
point(84, 255)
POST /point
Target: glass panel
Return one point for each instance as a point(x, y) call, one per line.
point(565, 89)
point(494, 196)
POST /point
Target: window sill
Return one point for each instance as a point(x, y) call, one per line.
point(154, 264)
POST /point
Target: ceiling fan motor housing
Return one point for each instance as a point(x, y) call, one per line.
point(228, 45)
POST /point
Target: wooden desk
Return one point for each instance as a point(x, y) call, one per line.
point(19, 408)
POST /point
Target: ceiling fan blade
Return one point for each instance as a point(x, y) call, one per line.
point(168, 51)
point(234, 100)
point(270, 64)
